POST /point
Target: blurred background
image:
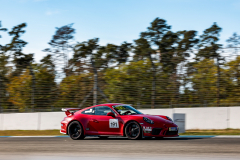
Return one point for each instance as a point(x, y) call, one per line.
point(151, 54)
point(178, 58)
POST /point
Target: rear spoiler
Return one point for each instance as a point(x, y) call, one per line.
point(70, 111)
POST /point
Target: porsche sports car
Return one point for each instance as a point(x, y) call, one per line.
point(115, 119)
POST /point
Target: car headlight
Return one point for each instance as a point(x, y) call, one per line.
point(148, 120)
point(170, 119)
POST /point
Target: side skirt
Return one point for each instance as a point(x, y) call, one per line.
point(104, 135)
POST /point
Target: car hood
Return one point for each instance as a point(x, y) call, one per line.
point(155, 118)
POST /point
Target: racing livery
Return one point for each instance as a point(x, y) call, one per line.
point(115, 119)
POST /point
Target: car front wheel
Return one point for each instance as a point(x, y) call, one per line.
point(75, 130)
point(133, 130)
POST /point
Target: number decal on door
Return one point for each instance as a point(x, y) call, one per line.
point(113, 123)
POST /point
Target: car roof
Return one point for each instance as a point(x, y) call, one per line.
point(108, 104)
point(105, 104)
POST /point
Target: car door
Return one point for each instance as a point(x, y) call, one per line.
point(106, 125)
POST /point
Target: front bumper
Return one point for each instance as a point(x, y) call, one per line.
point(158, 131)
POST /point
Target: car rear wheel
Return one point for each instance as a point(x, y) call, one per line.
point(133, 130)
point(75, 130)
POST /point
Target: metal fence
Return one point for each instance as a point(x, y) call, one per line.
point(211, 82)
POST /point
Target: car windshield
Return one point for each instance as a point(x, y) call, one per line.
point(126, 110)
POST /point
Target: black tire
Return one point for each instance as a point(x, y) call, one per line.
point(133, 130)
point(75, 130)
point(103, 137)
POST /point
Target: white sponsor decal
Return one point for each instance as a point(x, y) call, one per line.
point(147, 128)
point(113, 123)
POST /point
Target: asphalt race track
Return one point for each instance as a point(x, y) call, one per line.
point(62, 148)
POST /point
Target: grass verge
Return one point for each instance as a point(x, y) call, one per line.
point(30, 133)
point(213, 132)
point(56, 132)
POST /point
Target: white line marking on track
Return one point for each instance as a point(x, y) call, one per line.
point(227, 136)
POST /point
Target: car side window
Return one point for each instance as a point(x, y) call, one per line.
point(103, 110)
point(89, 111)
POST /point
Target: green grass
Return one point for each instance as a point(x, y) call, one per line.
point(56, 132)
point(30, 133)
point(213, 132)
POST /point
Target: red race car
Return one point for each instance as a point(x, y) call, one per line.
point(115, 119)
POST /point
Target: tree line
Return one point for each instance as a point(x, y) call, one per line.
point(159, 68)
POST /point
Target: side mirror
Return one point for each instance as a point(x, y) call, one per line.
point(111, 114)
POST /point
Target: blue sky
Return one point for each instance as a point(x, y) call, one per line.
point(113, 21)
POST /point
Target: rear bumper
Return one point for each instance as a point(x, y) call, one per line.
point(62, 132)
point(63, 129)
